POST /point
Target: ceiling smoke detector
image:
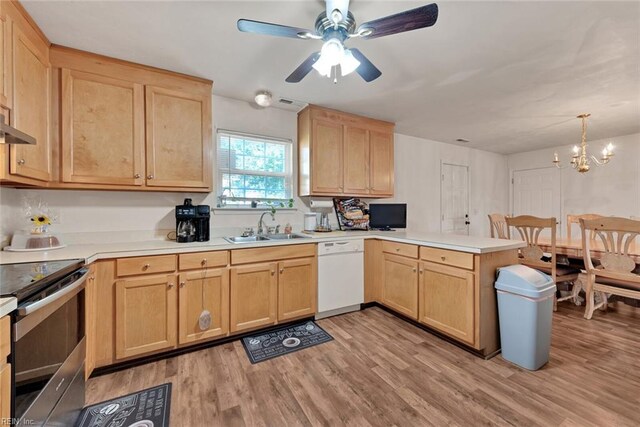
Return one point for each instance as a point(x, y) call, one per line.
point(264, 98)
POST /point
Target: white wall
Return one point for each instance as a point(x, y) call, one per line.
point(417, 166)
point(417, 177)
point(613, 189)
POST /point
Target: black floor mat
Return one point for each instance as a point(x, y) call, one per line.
point(284, 341)
point(144, 408)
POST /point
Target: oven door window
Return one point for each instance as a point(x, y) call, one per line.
point(40, 352)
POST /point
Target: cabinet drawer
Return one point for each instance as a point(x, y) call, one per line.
point(145, 265)
point(403, 249)
point(447, 257)
point(203, 260)
point(271, 253)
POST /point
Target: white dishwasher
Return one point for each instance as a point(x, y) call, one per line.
point(340, 277)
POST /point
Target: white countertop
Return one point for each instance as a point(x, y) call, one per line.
point(7, 305)
point(95, 251)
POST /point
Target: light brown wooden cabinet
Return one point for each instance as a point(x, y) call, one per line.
point(5, 370)
point(95, 128)
point(5, 392)
point(90, 321)
point(400, 284)
point(146, 318)
point(102, 129)
point(253, 296)
point(198, 291)
point(340, 154)
point(26, 89)
point(178, 138)
point(297, 288)
point(447, 300)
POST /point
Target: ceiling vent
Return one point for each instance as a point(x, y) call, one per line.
point(285, 101)
point(462, 140)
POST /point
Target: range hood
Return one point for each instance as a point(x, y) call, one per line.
point(9, 135)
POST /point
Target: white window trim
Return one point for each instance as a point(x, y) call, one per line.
point(288, 175)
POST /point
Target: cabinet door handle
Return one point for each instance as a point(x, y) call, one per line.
point(444, 258)
point(146, 266)
point(203, 262)
point(181, 284)
point(397, 249)
point(149, 176)
point(281, 270)
point(21, 162)
point(136, 176)
point(273, 272)
point(415, 269)
point(170, 285)
point(421, 271)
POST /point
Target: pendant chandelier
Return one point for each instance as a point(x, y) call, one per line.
point(580, 160)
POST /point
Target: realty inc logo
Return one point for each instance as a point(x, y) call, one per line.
point(14, 421)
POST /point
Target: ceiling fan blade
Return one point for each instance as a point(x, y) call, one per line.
point(249, 26)
point(420, 17)
point(303, 69)
point(366, 69)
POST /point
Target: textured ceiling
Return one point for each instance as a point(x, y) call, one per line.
point(508, 76)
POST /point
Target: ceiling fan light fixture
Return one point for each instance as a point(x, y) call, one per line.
point(332, 52)
point(322, 67)
point(264, 98)
point(349, 63)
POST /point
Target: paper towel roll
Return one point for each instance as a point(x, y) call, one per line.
point(321, 204)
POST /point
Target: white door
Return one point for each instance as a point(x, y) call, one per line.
point(454, 199)
point(537, 192)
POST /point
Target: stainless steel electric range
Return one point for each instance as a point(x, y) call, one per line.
point(48, 340)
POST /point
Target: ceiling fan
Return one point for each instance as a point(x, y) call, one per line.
point(335, 26)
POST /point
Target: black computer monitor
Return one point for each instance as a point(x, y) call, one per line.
point(385, 216)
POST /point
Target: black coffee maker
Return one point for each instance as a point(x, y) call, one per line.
point(192, 222)
point(203, 213)
point(186, 222)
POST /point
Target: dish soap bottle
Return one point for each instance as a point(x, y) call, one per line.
point(288, 229)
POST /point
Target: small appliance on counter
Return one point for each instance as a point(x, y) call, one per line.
point(192, 222)
point(203, 215)
point(322, 223)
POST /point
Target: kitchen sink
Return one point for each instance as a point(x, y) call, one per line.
point(245, 239)
point(283, 236)
point(253, 239)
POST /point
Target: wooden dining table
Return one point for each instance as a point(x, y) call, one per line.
point(573, 248)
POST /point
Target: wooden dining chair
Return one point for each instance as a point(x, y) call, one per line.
point(618, 273)
point(498, 226)
point(575, 219)
point(530, 228)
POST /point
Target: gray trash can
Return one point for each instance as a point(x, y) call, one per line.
point(525, 309)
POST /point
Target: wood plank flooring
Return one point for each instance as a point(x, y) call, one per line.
point(382, 371)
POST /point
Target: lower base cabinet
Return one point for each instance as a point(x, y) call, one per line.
point(146, 315)
point(400, 284)
point(447, 300)
point(199, 291)
point(297, 288)
point(5, 371)
point(253, 296)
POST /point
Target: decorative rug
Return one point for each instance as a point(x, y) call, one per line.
point(284, 341)
point(145, 408)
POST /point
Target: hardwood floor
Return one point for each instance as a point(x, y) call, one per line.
point(382, 371)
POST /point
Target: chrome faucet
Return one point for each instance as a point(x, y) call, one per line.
point(261, 222)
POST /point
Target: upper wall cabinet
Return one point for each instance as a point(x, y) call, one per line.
point(342, 154)
point(102, 139)
point(25, 88)
point(178, 138)
point(127, 126)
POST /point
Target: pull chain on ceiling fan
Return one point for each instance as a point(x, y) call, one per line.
point(335, 26)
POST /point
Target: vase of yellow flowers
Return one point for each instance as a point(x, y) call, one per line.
point(36, 236)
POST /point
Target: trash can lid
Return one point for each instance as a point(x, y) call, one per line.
point(522, 280)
